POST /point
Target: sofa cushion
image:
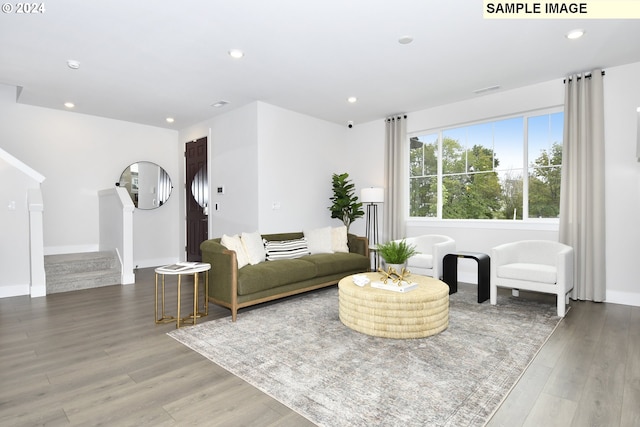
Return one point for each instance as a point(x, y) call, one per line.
point(420, 261)
point(530, 272)
point(285, 249)
point(339, 262)
point(271, 274)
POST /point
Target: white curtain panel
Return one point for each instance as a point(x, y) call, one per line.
point(582, 200)
point(394, 205)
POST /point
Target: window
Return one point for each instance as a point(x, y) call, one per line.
point(478, 171)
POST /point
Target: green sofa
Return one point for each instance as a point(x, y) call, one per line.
point(269, 280)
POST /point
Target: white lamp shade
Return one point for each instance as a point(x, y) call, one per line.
point(372, 195)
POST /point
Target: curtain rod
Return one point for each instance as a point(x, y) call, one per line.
point(587, 76)
point(388, 119)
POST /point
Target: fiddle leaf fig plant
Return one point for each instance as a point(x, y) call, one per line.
point(345, 205)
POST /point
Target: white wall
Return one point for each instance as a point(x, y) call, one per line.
point(364, 152)
point(263, 154)
point(233, 164)
point(297, 156)
point(80, 155)
point(622, 185)
point(14, 220)
point(622, 97)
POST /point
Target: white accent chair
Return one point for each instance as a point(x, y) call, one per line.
point(431, 250)
point(533, 265)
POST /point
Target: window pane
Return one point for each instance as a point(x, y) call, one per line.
point(423, 155)
point(508, 143)
point(479, 145)
point(423, 196)
point(453, 151)
point(471, 196)
point(545, 159)
point(544, 132)
point(416, 157)
point(512, 196)
point(544, 192)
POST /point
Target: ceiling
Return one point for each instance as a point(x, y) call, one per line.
point(144, 61)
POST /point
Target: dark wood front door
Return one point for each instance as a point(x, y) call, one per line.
point(197, 197)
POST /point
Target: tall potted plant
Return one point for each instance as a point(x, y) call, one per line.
point(345, 205)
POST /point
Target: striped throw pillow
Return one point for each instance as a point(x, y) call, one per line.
point(286, 249)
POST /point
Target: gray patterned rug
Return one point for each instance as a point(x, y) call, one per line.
point(298, 352)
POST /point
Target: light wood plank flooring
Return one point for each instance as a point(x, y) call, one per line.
point(95, 357)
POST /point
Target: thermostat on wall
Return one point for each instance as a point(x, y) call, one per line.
point(220, 190)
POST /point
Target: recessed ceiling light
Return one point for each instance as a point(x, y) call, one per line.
point(574, 34)
point(236, 53)
point(220, 103)
point(69, 104)
point(405, 39)
point(73, 64)
point(170, 119)
point(352, 99)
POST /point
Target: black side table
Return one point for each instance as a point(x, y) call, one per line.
point(450, 272)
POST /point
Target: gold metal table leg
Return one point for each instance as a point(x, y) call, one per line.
point(178, 315)
point(206, 293)
point(195, 297)
point(163, 317)
point(156, 299)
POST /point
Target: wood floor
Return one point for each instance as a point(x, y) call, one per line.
point(95, 357)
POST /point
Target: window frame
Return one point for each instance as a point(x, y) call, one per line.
point(526, 222)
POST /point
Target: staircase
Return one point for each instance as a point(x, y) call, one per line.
point(71, 272)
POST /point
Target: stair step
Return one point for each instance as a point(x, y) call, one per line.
point(86, 280)
point(71, 272)
point(80, 262)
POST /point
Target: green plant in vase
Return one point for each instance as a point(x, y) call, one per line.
point(395, 254)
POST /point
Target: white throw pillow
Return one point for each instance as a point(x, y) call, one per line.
point(339, 241)
point(254, 246)
point(233, 243)
point(319, 240)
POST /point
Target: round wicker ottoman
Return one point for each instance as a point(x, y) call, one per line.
point(419, 313)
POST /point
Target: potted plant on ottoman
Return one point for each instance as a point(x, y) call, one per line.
point(396, 253)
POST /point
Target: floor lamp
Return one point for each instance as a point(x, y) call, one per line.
point(372, 196)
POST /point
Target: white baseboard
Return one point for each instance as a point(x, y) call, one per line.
point(468, 273)
point(8, 291)
point(624, 298)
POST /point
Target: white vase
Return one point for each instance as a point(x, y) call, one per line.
point(397, 267)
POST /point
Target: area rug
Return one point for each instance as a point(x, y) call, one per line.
point(298, 352)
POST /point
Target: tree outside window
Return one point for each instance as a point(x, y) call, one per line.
point(482, 170)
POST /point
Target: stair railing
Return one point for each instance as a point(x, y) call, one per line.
point(116, 228)
point(36, 243)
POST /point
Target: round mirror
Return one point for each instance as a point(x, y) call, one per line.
point(147, 183)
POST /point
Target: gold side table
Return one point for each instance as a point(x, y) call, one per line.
point(179, 270)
